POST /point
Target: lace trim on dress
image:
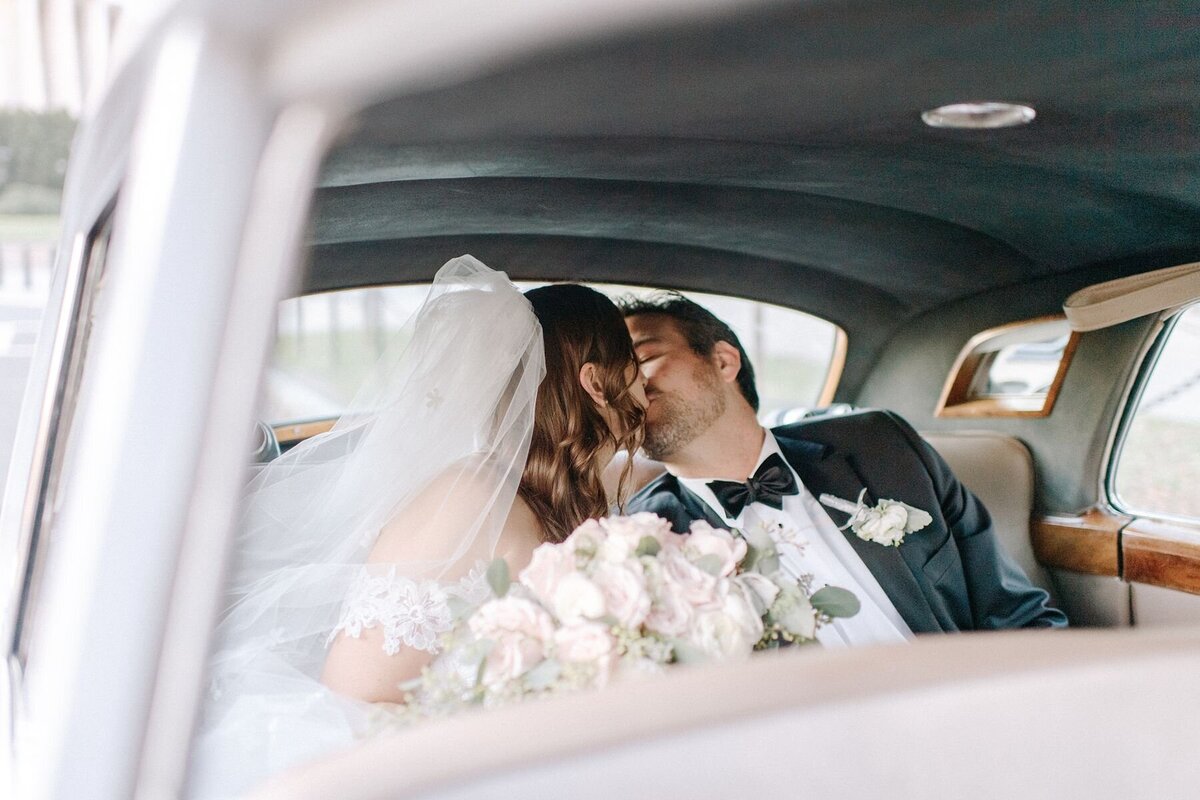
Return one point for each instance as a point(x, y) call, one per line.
point(412, 613)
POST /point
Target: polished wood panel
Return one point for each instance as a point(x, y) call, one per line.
point(837, 363)
point(294, 433)
point(1162, 554)
point(1087, 543)
point(955, 400)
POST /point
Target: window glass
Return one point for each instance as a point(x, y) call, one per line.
point(1158, 471)
point(33, 153)
point(328, 341)
point(1024, 369)
point(1014, 370)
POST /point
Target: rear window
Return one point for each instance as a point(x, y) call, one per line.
point(327, 342)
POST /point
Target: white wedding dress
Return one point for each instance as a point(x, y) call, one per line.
point(450, 406)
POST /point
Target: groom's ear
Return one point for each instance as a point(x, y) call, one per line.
point(727, 360)
point(589, 379)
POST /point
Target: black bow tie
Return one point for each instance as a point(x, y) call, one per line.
point(769, 483)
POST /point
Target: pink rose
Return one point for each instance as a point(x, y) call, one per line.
point(671, 613)
point(588, 643)
point(694, 584)
point(549, 565)
point(625, 594)
point(705, 540)
point(519, 631)
point(583, 642)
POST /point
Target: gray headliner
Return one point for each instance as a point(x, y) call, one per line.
point(778, 154)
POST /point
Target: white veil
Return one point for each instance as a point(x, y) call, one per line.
point(450, 405)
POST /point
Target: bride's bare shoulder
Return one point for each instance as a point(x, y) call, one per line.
point(466, 500)
point(521, 535)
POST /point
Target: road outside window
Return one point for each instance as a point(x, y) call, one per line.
point(327, 342)
point(1158, 470)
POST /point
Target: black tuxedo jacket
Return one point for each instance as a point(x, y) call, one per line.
point(951, 575)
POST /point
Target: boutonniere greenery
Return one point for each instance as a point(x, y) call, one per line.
point(886, 523)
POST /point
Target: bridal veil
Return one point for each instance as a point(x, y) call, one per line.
point(443, 421)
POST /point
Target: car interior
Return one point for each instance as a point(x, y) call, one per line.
point(780, 155)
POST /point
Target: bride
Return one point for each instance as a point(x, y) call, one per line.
point(481, 434)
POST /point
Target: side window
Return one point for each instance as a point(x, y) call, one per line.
point(1157, 470)
point(326, 343)
point(81, 299)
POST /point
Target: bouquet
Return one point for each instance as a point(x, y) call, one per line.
point(624, 594)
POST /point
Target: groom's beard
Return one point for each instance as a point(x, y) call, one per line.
point(677, 423)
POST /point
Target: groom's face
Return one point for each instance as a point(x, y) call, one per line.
point(683, 388)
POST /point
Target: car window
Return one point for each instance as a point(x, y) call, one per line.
point(83, 293)
point(1158, 468)
point(326, 343)
point(1013, 370)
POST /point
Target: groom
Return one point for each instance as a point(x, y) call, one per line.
point(723, 467)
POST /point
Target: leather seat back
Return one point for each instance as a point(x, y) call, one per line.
point(999, 470)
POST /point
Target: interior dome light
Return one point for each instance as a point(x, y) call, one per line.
point(979, 115)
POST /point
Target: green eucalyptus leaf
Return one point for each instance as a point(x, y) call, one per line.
point(760, 607)
point(485, 647)
point(834, 601)
point(710, 563)
point(543, 674)
point(687, 653)
point(498, 577)
point(648, 546)
point(459, 608)
point(769, 563)
point(753, 554)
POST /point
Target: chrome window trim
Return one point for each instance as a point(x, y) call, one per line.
point(30, 545)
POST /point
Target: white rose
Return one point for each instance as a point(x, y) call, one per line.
point(577, 599)
point(549, 565)
point(740, 608)
point(730, 630)
point(760, 585)
point(883, 524)
point(705, 540)
point(624, 590)
point(718, 637)
point(794, 612)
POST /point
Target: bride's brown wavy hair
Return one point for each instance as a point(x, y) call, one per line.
point(562, 479)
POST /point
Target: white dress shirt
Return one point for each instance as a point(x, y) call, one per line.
point(813, 550)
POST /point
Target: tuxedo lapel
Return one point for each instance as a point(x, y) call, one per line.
point(828, 470)
point(696, 508)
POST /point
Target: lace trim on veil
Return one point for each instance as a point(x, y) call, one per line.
point(412, 613)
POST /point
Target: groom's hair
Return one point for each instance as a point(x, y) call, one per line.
point(699, 326)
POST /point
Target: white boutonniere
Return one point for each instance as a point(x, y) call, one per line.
point(885, 523)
